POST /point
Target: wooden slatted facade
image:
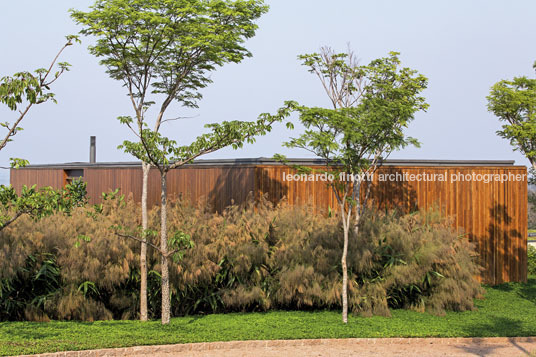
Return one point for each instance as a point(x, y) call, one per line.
point(492, 214)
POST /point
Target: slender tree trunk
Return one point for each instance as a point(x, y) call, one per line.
point(345, 267)
point(166, 305)
point(357, 220)
point(143, 252)
point(357, 204)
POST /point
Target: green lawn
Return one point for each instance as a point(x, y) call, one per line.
point(508, 310)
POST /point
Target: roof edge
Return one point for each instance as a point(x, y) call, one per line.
point(270, 161)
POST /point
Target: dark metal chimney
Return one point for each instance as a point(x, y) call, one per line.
point(92, 149)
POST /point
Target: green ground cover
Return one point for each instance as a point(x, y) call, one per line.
point(507, 310)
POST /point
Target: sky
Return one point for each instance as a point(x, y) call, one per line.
point(463, 47)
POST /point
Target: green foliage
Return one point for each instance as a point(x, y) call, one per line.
point(169, 47)
point(531, 180)
point(414, 261)
point(166, 154)
point(113, 195)
point(22, 86)
point(88, 288)
point(531, 260)
point(39, 203)
point(80, 239)
point(23, 90)
point(507, 311)
point(98, 209)
point(23, 296)
point(514, 103)
point(179, 243)
point(163, 51)
point(531, 209)
point(250, 258)
point(94, 273)
point(372, 105)
point(19, 93)
point(17, 163)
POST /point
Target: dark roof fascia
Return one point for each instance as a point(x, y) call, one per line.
point(269, 161)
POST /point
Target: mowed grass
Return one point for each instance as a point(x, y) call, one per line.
point(507, 310)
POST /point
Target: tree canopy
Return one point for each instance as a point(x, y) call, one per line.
point(514, 103)
point(163, 52)
point(21, 91)
point(372, 105)
point(168, 47)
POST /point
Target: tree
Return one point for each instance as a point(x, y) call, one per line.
point(20, 93)
point(514, 103)
point(164, 50)
point(39, 203)
point(24, 90)
point(371, 107)
point(531, 222)
point(165, 154)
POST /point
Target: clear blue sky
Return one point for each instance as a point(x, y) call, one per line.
point(463, 47)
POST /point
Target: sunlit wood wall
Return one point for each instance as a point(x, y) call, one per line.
point(493, 214)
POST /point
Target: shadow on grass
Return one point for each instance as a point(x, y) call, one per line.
point(195, 318)
point(528, 291)
point(501, 287)
point(495, 326)
point(55, 329)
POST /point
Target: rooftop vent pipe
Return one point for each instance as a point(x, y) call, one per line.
point(92, 149)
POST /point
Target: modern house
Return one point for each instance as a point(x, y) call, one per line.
point(486, 199)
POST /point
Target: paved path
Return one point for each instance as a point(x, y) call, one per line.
point(497, 346)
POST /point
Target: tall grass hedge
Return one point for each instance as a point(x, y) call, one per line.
point(254, 257)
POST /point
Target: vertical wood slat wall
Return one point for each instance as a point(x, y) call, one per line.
point(493, 215)
point(53, 177)
point(218, 186)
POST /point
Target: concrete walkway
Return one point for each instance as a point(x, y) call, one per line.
point(496, 346)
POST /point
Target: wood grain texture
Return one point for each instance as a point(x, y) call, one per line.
point(493, 215)
point(40, 177)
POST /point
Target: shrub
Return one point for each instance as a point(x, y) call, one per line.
point(25, 293)
point(104, 263)
point(414, 261)
point(248, 258)
point(531, 259)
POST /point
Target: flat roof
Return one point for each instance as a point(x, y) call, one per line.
point(270, 161)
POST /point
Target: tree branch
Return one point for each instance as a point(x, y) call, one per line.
point(139, 240)
point(42, 83)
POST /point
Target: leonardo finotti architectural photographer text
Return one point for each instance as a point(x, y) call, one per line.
point(405, 176)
